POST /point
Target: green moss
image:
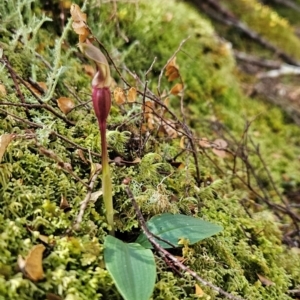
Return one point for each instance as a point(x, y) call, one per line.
point(267, 23)
point(32, 184)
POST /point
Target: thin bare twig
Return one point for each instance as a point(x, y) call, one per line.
point(85, 202)
point(62, 137)
point(143, 118)
point(65, 166)
point(14, 78)
point(151, 66)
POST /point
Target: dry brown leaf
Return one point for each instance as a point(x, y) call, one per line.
point(5, 139)
point(221, 144)
point(137, 160)
point(181, 144)
point(174, 75)
point(150, 122)
point(64, 204)
point(89, 70)
point(51, 296)
point(42, 86)
point(131, 96)
point(79, 22)
point(219, 152)
point(2, 90)
point(204, 143)
point(44, 239)
point(172, 70)
point(149, 106)
point(65, 104)
point(119, 96)
point(171, 64)
point(79, 152)
point(170, 130)
point(32, 266)
point(96, 195)
point(176, 89)
point(265, 281)
point(198, 291)
point(180, 258)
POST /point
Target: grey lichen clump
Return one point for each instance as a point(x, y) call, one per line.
point(32, 184)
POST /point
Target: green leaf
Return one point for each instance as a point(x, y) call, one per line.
point(174, 227)
point(132, 268)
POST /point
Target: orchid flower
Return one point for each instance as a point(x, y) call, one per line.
point(101, 97)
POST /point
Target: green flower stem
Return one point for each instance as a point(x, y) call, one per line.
point(106, 180)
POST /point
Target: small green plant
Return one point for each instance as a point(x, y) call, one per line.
point(132, 266)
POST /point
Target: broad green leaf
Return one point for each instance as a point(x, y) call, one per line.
point(132, 268)
point(175, 227)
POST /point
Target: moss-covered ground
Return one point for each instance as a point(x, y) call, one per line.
point(243, 194)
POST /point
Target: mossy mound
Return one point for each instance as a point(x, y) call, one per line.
point(32, 184)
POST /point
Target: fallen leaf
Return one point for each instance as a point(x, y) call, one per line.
point(64, 204)
point(44, 239)
point(172, 73)
point(96, 195)
point(265, 281)
point(137, 160)
point(79, 152)
point(36, 91)
point(32, 266)
point(219, 152)
point(220, 143)
point(5, 139)
point(180, 258)
point(171, 64)
point(176, 89)
point(204, 143)
point(198, 291)
point(51, 296)
point(181, 144)
point(65, 104)
point(131, 96)
point(2, 90)
point(119, 96)
point(169, 128)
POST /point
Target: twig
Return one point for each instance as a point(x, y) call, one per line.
point(65, 166)
point(142, 118)
point(167, 255)
point(254, 60)
point(62, 137)
point(14, 78)
point(85, 202)
point(288, 3)
point(216, 11)
point(284, 69)
point(151, 67)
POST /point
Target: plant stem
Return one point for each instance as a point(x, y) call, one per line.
point(106, 180)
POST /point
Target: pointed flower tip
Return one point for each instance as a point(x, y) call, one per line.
point(102, 77)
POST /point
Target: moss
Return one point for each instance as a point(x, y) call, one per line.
point(267, 23)
point(32, 184)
